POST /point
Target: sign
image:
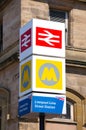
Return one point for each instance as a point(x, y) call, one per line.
point(50, 74)
point(42, 74)
point(43, 38)
point(25, 78)
point(48, 37)
point(24, 106)
point(25, 40)
point(42, 68)
point(46, 103)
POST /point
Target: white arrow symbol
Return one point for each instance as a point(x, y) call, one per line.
point(48, 37)
point(25, 40)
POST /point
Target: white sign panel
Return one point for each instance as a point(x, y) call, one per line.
point(42, 74)
point(42, 37)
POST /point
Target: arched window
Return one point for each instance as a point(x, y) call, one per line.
point(4, 107)
point(75, 107)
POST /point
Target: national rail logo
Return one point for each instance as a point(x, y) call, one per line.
point(48, 37)
point(25, 40)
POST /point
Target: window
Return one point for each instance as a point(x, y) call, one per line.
point(60, 16)
point(69, 109)
point(1, 37)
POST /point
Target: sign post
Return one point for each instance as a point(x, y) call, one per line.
point(42, 69)
point(41, 121)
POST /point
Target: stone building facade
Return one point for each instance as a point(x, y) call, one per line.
point(13, 15)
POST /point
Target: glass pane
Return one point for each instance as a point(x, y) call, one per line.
point(68, 115)
point(57, 16)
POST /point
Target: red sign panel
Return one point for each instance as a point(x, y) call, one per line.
point(25, 40)
point(48, 37)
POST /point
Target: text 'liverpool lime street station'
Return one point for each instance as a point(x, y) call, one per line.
point(42, 68)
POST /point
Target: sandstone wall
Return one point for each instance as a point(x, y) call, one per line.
point(11, 23)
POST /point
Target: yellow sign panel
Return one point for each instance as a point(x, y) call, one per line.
point(25, 77)
point(49, 74)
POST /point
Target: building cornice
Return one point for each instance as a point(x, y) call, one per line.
point(76, 57)
point(9, 56)
point(8, 61)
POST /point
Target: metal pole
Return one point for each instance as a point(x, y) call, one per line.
point(41, 121)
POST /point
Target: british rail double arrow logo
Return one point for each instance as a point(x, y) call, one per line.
point(48, 37)
point(25, 40)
